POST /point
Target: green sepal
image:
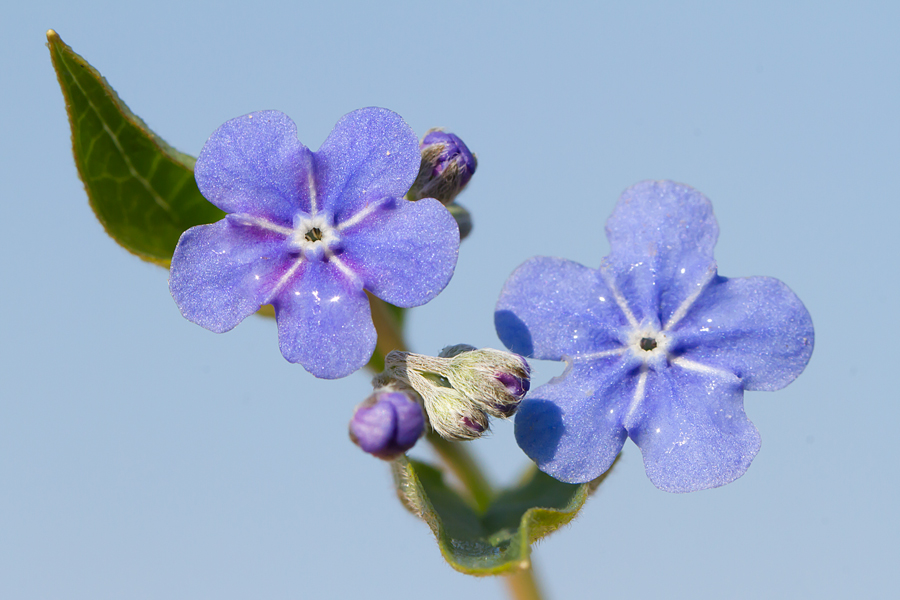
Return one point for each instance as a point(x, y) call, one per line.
point(141, 189)
point(497, 540)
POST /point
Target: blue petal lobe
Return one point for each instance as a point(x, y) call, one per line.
point(324, 321)
point(572, 426)
point(256, 165)
point(692, 429)
point(222, 273)
point(405, 252)
point(551, 307)
point(370, 154)
point(661, 236)
point(754, 327)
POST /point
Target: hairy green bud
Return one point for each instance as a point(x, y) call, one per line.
point(462, 386)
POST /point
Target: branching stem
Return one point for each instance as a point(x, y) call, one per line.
point(522, 584)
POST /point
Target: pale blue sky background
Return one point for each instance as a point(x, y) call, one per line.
point(144, 457)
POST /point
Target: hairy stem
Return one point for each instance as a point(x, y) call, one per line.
point(521, 584)
point(455, 455)
point(459, 460)
point(389, 331)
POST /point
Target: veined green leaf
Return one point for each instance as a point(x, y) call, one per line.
point(499, 539)
point(141, 189)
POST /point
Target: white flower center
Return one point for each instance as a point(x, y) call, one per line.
point(313, 235)
point(649, 345)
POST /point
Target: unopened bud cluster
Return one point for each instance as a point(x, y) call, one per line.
point(463, 386)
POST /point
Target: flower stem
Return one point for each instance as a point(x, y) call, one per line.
point(388, 329)
point(459, 460)
point(521, 584)
point(455, 455)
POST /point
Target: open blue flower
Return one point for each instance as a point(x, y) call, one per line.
point(660, 348)
point(309, 232)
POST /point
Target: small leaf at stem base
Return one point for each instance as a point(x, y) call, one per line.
point(499, 539)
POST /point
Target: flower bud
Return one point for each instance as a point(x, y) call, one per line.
point(463, 219)
point(447, 166)
point(451, 414)
point(387, 423)
point(462, 386)
point(496, 380)
point(455, 350)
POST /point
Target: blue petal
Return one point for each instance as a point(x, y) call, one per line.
point(324, 321)
point(661, 236)
point(404, 251)
point(754, 327)
point(222, 273)
point(255, 165)
point(370, 154)
point(572, 427)
point(692, 429)
point(550, 308)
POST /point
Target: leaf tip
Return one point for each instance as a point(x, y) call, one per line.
point(52, 36)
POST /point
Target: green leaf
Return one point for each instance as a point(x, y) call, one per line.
point(499, 539)
point(141, 189)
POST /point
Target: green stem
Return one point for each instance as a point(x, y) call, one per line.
point(459, 460)
point(521, 584)
point(388, 329)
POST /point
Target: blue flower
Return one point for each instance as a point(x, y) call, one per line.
point(310, 232)
point(660, 348)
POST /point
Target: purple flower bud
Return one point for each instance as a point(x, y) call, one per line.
point(517, 386)
point(478, 426)
point(447, 166)
point(463, 219)
point(387, 424)
point(495, 380)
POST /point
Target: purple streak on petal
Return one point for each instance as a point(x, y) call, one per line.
point(370, 154)
point(550, 307)
point(692, 430)
point(256, 165)
point(221, 273)
point(324, 322)
point(657, 230)
point(754, 327)
point(405, 252)
point(572, 426)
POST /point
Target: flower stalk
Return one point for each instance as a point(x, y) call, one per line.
point(521, 584)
